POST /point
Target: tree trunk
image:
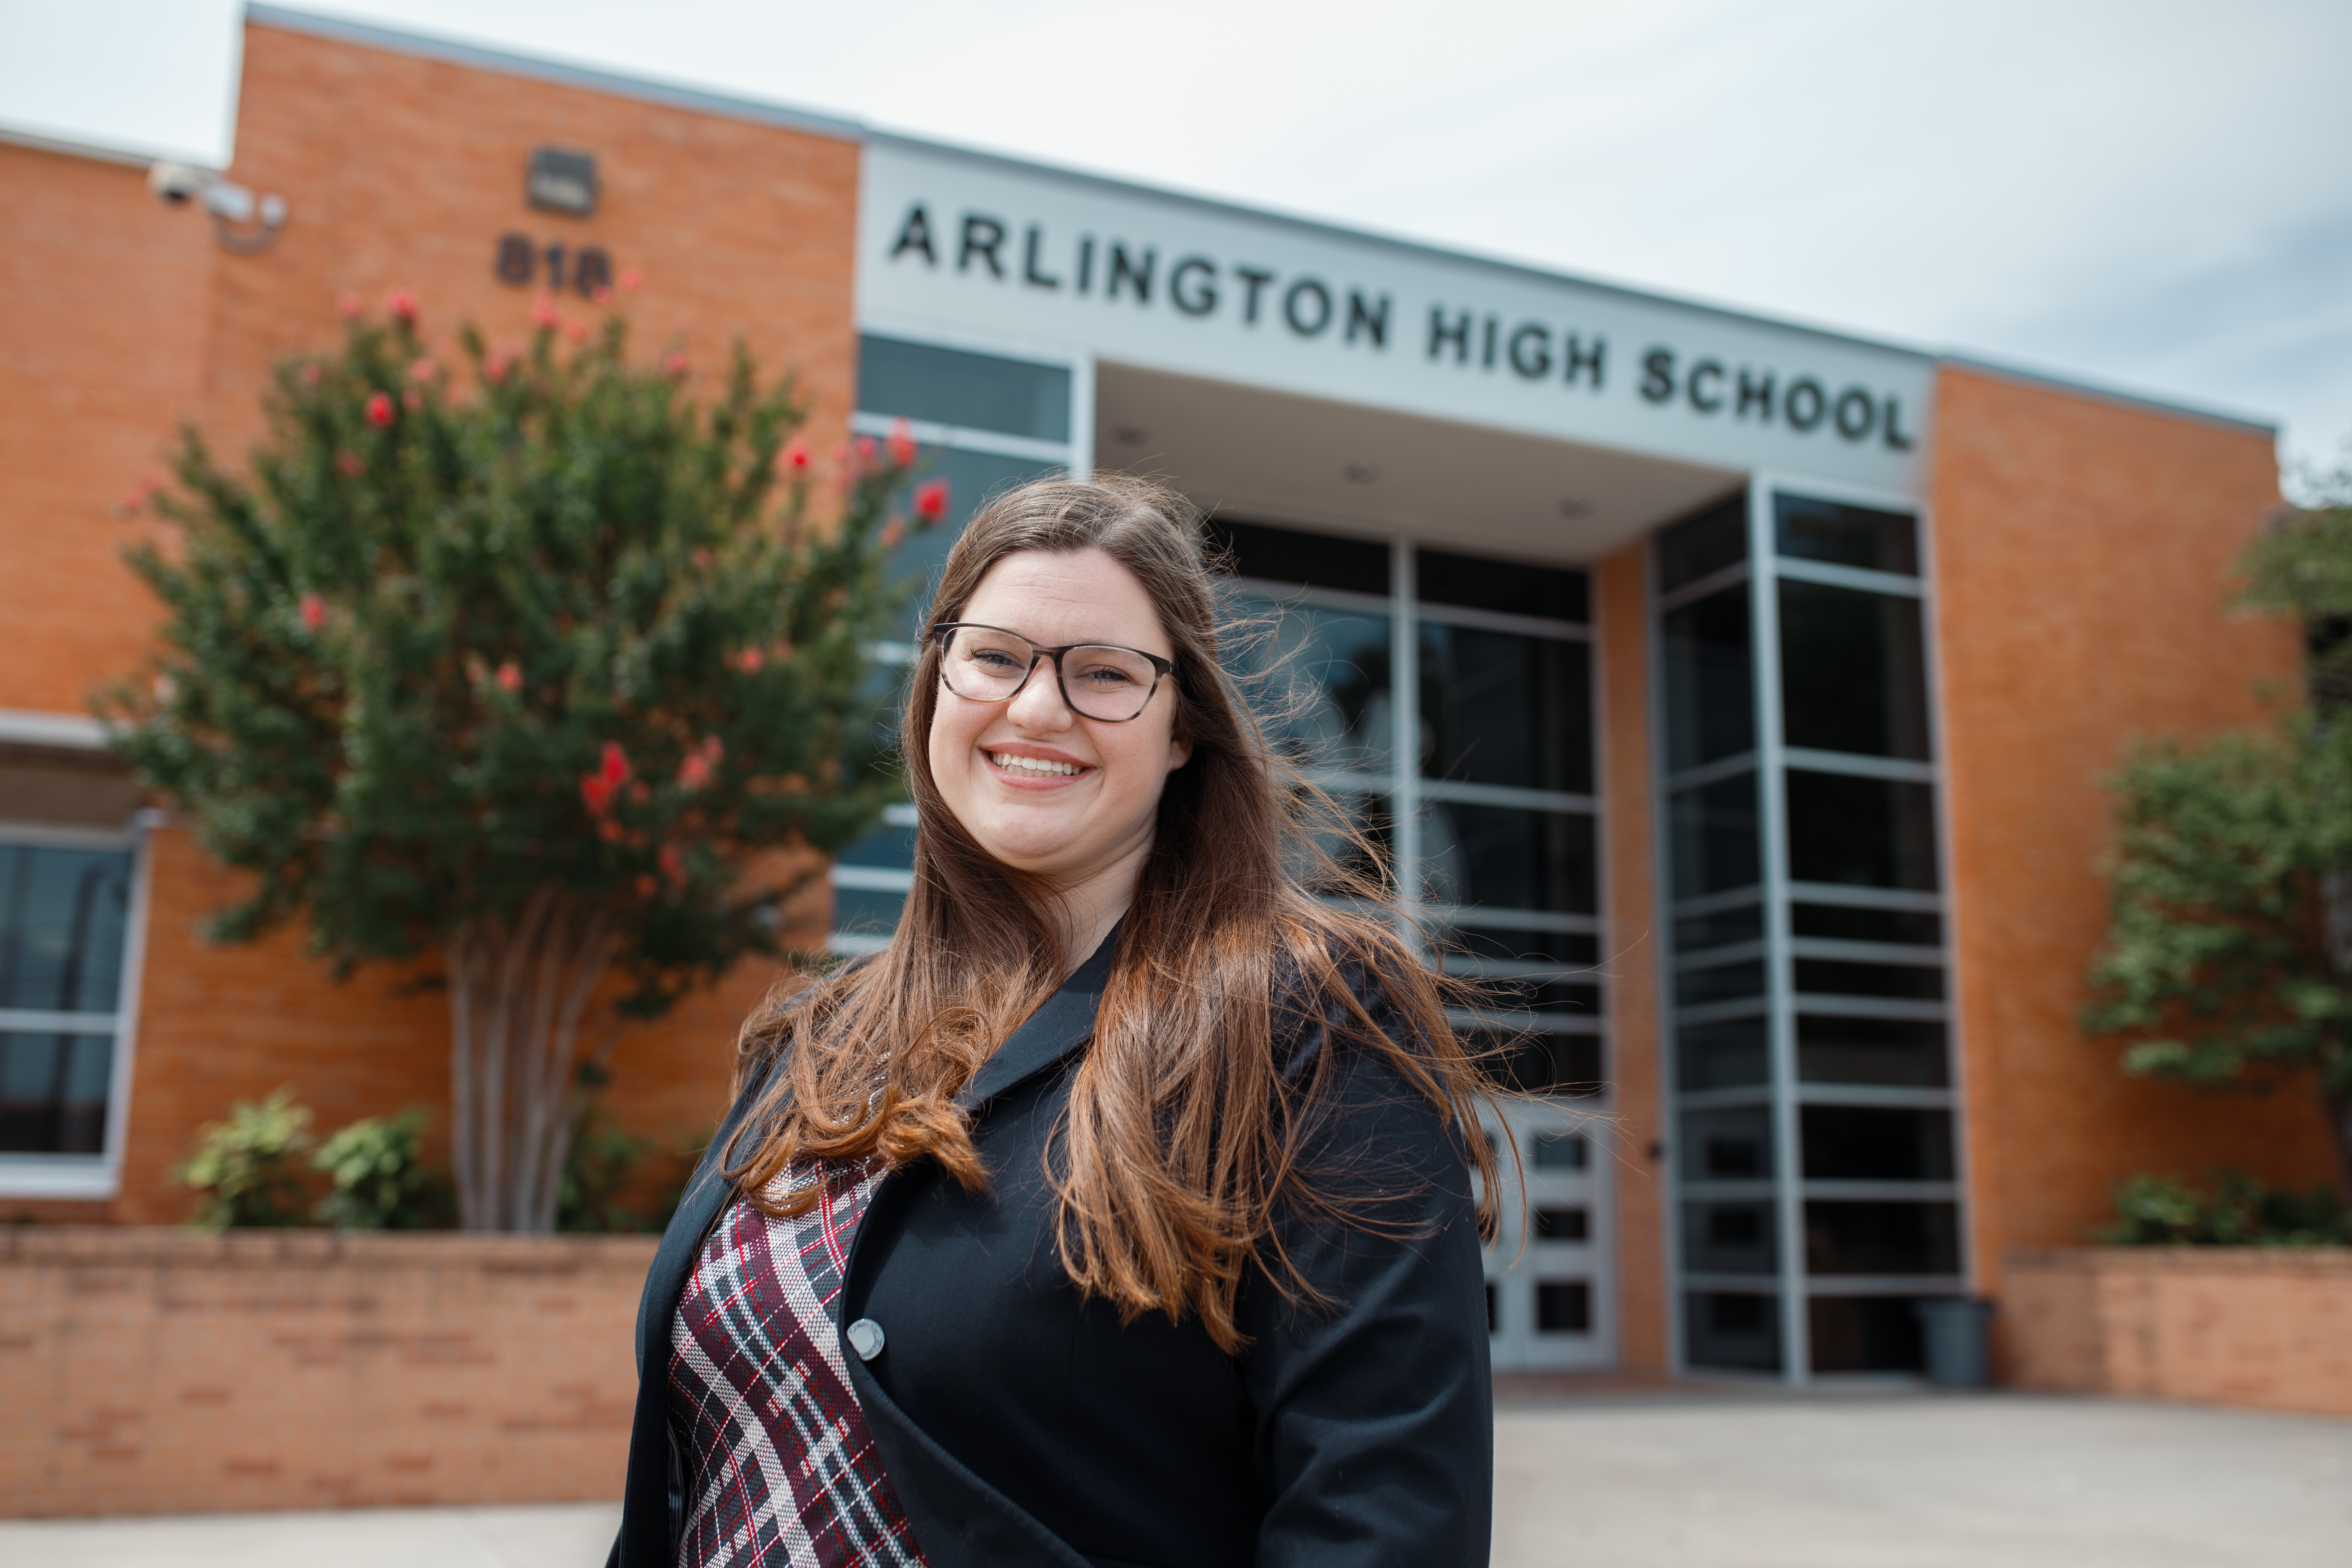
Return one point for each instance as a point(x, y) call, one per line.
point(518, 995)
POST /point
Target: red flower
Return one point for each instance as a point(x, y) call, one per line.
point(611, 832)
point(673, 864)
point(893, 532)
point(379, 409)
point(349, 306)
point(612, 765)
point(595, 794)
point(425, 369)
point(314, 612)
point(865, 453)
point(543, 312)
point(673, 362)
point(714, 749)
point(402, 304)
point(632, 279)
point(693, 773)
point(601, 294)
point(647, 887)
point(576, 330)
point(797, 455)
point(348, 464)
point(902, 443)
point(931, 500)
point(750, 660)
point(510, 676)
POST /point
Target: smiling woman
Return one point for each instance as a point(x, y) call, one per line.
point(1122, 1209)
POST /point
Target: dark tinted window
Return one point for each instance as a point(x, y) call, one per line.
point(1874, 832)
point(1508, 859)
point(1710, 682)
point(1905, 1052)
point(1732, 1328)
point(1560, 1152)
point(1733, 1144)
point(1852, 922)
point(1719, 983)
point(1721, 928)
point(1863, 1237)
point(1846, 535)
point(62, 914)
point(1707, 542)
point(1568, 949)
point(1876, 1143)
point(1562, 1224)
point(1311, 560)
point(1563, 1307)
point(1506, 709)
point(1539, 1062)
point(1735, 1238)
point(1721, 1055)
point(969, 391)
point(1477, 583)
point(1714, 832)
point(53, 1092)
point(1865, 1333)
point(1834, 977)
point(1851, 676)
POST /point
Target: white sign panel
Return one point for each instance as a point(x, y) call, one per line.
point(972, 246)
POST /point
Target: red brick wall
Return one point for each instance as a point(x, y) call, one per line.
point(2082, 550)
point(2269, 1327)
point(175, 1371)
point(1621, 592)
point(125, 319)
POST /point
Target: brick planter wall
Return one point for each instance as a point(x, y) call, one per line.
point(165, 1370)
point(2225, 1325)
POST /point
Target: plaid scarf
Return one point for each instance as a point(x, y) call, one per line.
point(781, 1470)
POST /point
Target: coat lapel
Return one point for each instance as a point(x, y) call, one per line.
point(1061, 1026)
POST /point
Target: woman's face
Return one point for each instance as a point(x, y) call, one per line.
point(1068, 826)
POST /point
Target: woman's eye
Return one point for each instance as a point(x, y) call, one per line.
point(1105, 675)
point(994, 659)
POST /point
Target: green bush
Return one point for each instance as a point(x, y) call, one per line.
point(380, 1180)
point(248, 1170)
point(2235, 1210)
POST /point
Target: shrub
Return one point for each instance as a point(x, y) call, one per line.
point(248, 1170)
point(2235, 1210)
point(380, 1180)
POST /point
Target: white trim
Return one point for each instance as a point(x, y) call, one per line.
point(964, 438)
point(872, 878)
point(1802, 568)
point(68, 731)
point(60, 1175)
point(48, 1021)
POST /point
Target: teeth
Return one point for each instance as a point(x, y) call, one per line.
point(1032, 764)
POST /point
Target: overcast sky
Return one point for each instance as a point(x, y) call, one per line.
point(2154, 195)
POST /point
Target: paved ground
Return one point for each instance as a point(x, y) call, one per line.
point(1689, 1479)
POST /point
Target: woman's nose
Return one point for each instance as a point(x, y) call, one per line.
point(1038, 705)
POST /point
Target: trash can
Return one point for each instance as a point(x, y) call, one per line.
point(1957, 1332)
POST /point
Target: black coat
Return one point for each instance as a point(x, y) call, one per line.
point(1021, 1424)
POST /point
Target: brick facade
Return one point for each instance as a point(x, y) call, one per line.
point(2267, 1327)
point(2082, 550)
point(128, 321)
point(172, 1372)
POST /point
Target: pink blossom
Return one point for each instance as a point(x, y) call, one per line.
point(379, 409)
point(748, 660)
point(797, 456)
point(603, 294)
point(931, 500)
point(349, 306)
point(902, 443)
point(425, 369)
point(576, 330)
point(314, 612)
point(543, 312)
point(510, 676)
point(402, 304)
point(632, 279)
point(893, 532)
point(673, 362)
point(673, 864)
point(865, 453)
point(694, 773)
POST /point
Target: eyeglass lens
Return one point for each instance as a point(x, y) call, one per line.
point(983, 665)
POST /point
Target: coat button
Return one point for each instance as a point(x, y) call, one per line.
point(866, 1339)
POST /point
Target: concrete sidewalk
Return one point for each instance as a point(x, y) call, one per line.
point(1689, 1479)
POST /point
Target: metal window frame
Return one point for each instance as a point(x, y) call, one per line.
point(91, 1176)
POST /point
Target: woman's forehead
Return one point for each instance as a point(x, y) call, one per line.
point(1064, 596)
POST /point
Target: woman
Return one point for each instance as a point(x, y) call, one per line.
point(1121, 1210)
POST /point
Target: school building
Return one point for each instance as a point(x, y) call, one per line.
point(1738, 693)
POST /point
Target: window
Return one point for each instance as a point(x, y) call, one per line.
point(65, 931)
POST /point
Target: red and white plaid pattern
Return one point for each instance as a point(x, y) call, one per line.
point(781, 1470)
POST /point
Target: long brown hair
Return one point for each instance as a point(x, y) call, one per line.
point(1182, 1138)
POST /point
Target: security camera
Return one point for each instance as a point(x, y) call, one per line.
point(176, 184)
point(225, 203)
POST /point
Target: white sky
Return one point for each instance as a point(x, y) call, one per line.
point(2151, 195)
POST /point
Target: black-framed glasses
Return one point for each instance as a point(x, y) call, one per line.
point(1099, 680)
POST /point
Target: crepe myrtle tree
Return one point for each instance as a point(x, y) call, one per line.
point(2228, 961)
point(522, 662)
